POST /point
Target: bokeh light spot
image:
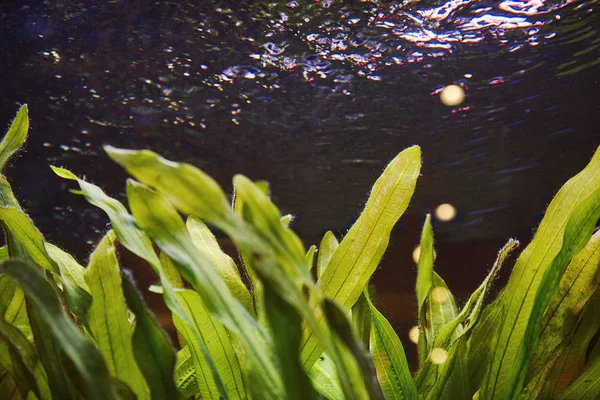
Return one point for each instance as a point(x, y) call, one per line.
point(445, 212)
point(417, 254)
point(439, 294)
point(452, 95)
point(413, 334)
point(438, 355)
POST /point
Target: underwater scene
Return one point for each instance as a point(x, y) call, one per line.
point(305, 199)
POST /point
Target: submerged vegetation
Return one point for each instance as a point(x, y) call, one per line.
point(302, 326)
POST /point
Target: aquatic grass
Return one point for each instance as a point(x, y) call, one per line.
point(304, 325)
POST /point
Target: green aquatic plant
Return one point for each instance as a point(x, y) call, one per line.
point(303, 325)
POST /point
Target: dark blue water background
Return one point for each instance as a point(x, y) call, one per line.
point(315, 97)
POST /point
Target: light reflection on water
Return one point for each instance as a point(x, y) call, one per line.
point(372, 37)
point(314, 94)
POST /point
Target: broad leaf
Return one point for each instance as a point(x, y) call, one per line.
point(579, 228)
point(156, 216)
point(309, 258)
point(586, 386)
point(562, 320)
point(390, 360)
point(15, 137)
point(361, 318)
point(453, 379)
point(226, 268)
point(274, 252)
point(13, 363)
point(286, 330)
point(12, 305)
point(185, 373)
point(326, 250)
point(139, 244)
point(428, 374)
point(24, 239)
point(324, 378)
point(74, 286)
point(107, 316)
point(352, 351)
point(219, 346)
point(52, 320)
point(359, 253)
point(573, 356)
point(508, 368)
point(151, 348)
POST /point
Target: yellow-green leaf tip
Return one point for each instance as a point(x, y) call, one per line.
point(63, 173)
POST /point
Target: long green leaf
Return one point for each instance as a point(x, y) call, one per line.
point(454, 330)
point(226, 268)
point(11, 361)
point(185, 373)
point(425, 268)
point(286, 331)
point(480, 293)
point(85, 358)
point(341, 327)
point(435, 305)
point(139, 244)
point(107, 316)
point(359, 253)
point(274, 252)
point(155, 215)
point(74, 286)
point(266, 220)
point(361, 318)
point(27, 360)
point(390, 360)
point(287, 274)
point(50, 354)
point(11, 143)
point(325, 380)
point(453, 381)
point(327, 248)
point(573, 357)
point(15, 137)
point(580, 226)
point(24, 239)
point(508, 367)
point(9, 388)
point(12, 304)
point(237, 204)
point(192, 192)
point(219, 346)
point(579, 282)
point(586, 386)
point(151, 348)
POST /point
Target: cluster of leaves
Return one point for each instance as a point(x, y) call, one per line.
point(303, 325)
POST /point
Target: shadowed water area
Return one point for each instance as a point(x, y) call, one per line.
point(315, 97)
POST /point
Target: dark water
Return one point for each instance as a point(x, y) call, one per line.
point(315, 97)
